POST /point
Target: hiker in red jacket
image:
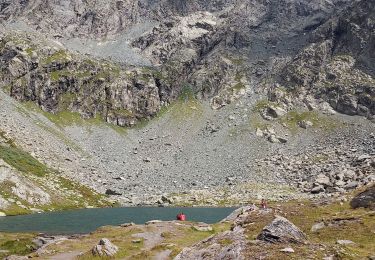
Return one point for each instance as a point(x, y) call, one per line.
point(263, 204)
point(181, 217)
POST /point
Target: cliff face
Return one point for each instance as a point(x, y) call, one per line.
point(58, 80)
point(338, 67)
point(73, 17)
point(97, 18)
point(219, 48)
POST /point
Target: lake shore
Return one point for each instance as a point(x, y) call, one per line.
point(327, 225)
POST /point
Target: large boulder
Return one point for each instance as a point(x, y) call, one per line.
point(347, 104)
point(272, 112)
point(104, 248)
point(365, 199)
point(281, 230)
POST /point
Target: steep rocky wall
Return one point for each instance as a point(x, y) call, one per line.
point(73, 17)
point(97, 18)
point(338, 66)
point(197, 43)
point(61, 81)
point(215, 50)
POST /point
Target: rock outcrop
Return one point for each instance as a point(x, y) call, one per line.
point(338, 67)
point(60, 81)
point(104, 248)
point(281, 230)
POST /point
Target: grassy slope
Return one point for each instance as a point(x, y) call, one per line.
point(342, 223)
point(16, 244)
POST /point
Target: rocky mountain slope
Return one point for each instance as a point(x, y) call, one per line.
point(337, 68)
point(28, 185)
point(228, 100)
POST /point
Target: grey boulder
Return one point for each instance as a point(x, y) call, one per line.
point(281, 230)
point(365, 199)
point(104, 248)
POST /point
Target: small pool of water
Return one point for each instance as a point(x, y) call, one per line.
point(87, 220)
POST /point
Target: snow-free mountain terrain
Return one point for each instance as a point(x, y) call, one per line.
point(184, 102)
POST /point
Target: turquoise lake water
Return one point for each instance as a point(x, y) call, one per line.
point(87, 220)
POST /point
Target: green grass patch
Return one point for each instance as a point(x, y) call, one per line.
point(17, 246)
point(256, 121)
point(58, 56)
point(292, 118)
point(67, 118)
point(225, 242)
point(65, 193)
point(22, 161)
point(186, 105)
point(30, 51)
point(66, 100)
point(7, 89)
point(262, 104)
point(58, 74)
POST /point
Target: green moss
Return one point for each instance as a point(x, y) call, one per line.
point(66, 100)
point(256, 121)
point(17, 40)
point(6, 188)
point(7, 88)
point(123, 112)
point(90, 63)
point(88, 195)
point(83, 74)
point(102, 75)
point(239, 86)
point(186, 106)
point(58, 74)
point(22, 161)
point(58, 56)
point(163, 110)
point(30, 51)
point(7, 193)
point(320, 158)
point(186, 94)
point(64, 118)
point(55, 75)
point(262, 104)
point(225, 242)
point(15, 210)
point(28, 107)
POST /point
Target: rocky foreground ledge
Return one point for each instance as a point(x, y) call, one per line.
point(321, 229)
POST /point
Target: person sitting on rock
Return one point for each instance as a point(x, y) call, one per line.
point(181, 217)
